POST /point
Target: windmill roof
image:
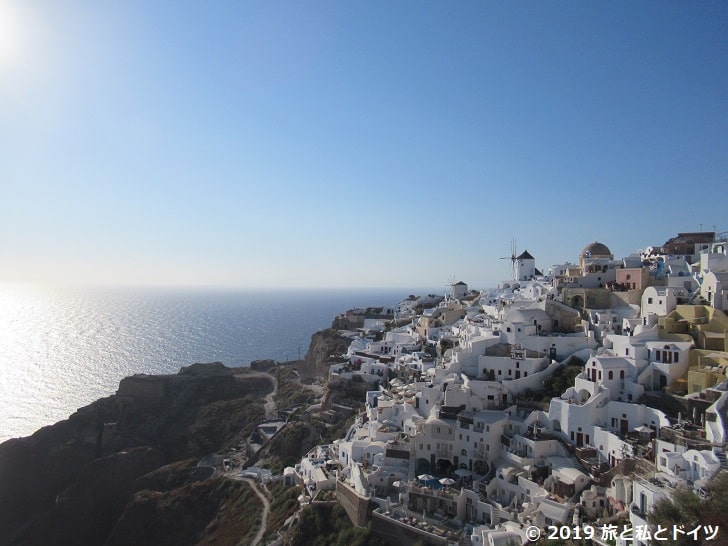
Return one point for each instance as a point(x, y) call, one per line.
point(525, 256)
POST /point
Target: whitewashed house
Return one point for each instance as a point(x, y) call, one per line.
point(645, 495)
point(715, 289)
point(594, 501)
point(662, 300)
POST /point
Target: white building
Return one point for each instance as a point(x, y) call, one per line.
point(715, 289)
point(662, 300)
point(645, 495)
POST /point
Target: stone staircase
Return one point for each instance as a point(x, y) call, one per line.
point(412, 466)
point(723, 459)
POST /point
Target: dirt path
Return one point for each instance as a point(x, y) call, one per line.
point(266, 510)
point(271, 411)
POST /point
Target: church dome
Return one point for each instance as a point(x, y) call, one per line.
point(596, 250)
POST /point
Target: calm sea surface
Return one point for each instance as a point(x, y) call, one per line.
point(61, 349)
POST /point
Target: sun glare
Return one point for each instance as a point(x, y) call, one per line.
point(9, 33)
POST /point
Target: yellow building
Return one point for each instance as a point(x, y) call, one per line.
point(707, 326)
point(709, 329)
point(707, 369)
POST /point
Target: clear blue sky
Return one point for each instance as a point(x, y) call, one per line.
point(384, 144)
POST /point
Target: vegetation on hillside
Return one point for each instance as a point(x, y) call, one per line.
point(290, 392)
point(324, 525)
point(283, 505)
point(686, 510)
point(555, 385)
point(216, 511)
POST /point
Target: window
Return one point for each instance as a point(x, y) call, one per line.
point(649, 300)
point(611, 374)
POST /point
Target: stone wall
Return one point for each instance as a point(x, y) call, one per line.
point(396, 533)
point(353, 504)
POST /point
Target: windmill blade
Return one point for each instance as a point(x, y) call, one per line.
point(513, 257)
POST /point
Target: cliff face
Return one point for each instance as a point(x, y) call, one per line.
point(326, 346)
point(69, 483)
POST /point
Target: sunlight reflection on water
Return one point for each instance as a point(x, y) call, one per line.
point(60, 349)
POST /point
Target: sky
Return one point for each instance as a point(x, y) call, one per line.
point(352, 144)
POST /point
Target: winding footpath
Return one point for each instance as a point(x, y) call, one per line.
point(266, 510)
point(270, 411)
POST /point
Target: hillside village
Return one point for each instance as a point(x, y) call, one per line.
point(577, 395)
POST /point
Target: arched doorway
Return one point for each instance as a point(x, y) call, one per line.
point(443, 467)
point(481, 467)
point(423, 467)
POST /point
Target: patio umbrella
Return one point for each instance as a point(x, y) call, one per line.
point(425, 477)
point(462, 472)
point(397, 484)
point(447, 481)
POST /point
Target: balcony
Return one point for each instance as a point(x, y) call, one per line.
point(517, 458)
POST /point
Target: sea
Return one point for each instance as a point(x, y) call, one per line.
point(63, 348)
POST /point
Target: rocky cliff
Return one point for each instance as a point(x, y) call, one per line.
point(70, 483)
point(326, 347)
